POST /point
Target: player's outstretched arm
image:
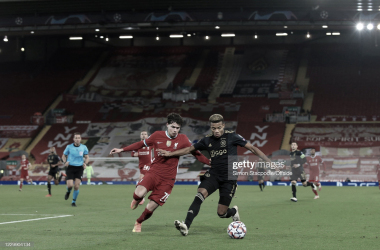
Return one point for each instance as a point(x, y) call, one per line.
point(180, 152)
point(134, 146)
point(257, 152)
point(200, 157)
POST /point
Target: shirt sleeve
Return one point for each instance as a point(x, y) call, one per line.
point(238, 140)
point(201, 144)
point(149, 142)
point(66, 152)
point(85, 150)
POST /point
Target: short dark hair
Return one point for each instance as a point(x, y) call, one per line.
point(215, 118)
point(174, 117)
point(77, 133)
point(294, 142)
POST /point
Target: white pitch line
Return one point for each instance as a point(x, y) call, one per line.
point(32, 214)
point(10, 222)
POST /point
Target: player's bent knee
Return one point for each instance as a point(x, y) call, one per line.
point(203, 191)
point(141, 191)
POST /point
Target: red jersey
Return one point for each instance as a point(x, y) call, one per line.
point(24, 167)
point(166, 167)
point(314, 163)
point(145, 157)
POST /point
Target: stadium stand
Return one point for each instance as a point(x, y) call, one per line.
point(337, 74)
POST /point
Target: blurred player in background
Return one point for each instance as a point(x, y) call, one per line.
point(378, 172)
point(89, 171)
point(297, 160)
point(145, 158)
point(161, 176)
point(54, 160)
point(314, 162)
point(73, 158)
point(222, 147)
point(260, 168)
point(24, 167)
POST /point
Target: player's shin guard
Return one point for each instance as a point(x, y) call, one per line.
point(294, 190)
point(75, 195)
point(49, 187)
point(144, 216)
point(194, 209)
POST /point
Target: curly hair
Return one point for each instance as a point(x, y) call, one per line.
point(174, 117)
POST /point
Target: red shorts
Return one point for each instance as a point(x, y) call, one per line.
point(314, 177)
point(24, 176)
point(161, 189)
point(144, 169)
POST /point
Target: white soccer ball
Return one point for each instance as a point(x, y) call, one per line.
point(237, 230)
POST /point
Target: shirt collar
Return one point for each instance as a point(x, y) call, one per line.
point(167, 134)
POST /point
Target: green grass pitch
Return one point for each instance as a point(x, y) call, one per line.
point(343, 218)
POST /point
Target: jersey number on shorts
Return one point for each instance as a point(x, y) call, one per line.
point(165, 197)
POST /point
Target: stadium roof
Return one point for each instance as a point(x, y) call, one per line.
point(15, 7)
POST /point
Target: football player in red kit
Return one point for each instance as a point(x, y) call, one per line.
point(314, 162)
point(161, 176)
point(145, 158)
point(24, 171)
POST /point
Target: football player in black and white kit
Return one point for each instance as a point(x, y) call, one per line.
point(54, 172)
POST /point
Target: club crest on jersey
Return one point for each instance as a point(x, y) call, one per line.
point(223, 143)
point(175, 145)
point(210, 145)
point(168, 143)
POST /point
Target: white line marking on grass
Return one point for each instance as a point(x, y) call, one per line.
point(10, 222)
point(34, 214)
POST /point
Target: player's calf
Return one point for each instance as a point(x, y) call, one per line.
point(294, 191)
point(223, 210)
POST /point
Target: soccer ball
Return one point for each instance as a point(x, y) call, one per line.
point(236, 230)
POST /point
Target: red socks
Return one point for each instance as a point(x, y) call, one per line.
point(137, 198)
point(20, 184)
point(315, 192)
point(144, 216)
